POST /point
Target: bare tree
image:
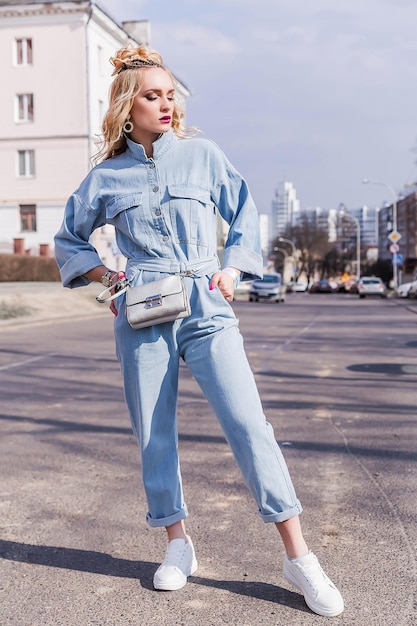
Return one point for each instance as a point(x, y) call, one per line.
point(313, 246)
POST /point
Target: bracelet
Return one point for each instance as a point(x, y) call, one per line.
point(235, 274)
point(231, 272)
point(106, 279)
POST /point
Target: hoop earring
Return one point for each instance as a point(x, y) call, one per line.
point(128, 126)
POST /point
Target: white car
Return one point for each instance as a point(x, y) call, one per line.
point(402, 290)
point(371, 286)
point(270, 287)
point(298, 286)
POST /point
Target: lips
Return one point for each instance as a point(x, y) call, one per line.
point(166, 119)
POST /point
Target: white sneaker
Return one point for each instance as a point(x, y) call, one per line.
point(179, 562)
point(320, 594)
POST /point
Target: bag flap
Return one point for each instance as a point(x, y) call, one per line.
point(168, 286)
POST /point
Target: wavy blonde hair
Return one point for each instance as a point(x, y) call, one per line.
point(123, 90)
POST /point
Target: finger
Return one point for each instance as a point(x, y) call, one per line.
point(214, 280)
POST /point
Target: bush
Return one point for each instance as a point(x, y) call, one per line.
point(22, 268)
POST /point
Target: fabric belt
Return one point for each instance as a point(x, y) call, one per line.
point(197, 268)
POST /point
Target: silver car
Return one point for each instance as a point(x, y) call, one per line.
point(371, 286)
point(269, 287)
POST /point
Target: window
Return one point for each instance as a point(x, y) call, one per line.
point(26, 163)
point(24, 107)
point(23, 51)
point(27, 217)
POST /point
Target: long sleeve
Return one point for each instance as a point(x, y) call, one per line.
point(74, 253)
point(236, 206)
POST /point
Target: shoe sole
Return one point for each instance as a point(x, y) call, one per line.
point(162, 587)
point(311, 605)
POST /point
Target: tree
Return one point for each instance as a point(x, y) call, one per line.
point(313, 246)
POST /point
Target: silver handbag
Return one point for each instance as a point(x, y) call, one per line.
point(163, 300)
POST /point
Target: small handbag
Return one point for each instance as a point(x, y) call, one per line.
point(163, 300)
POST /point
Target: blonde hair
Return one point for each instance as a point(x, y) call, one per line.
point(129, 65)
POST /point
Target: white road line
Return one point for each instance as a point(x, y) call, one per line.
point(26, 361)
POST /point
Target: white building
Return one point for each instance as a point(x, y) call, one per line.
point(285, 208)
point(264, 229)
point(54, 61)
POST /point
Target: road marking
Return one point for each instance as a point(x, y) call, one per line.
point(26, 361)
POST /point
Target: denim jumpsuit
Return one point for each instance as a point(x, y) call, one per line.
point(164, 213)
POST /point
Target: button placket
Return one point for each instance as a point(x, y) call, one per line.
point(160, 225)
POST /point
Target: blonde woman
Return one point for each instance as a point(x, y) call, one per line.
point(162, 192)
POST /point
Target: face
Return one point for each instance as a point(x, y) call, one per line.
point(153, 106)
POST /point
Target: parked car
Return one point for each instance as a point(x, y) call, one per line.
point(371, 286)
point(322, 286)
point(403, 291)
point(269, 287)
point(412, 292)
point(297, 287)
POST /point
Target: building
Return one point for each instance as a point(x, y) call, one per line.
point(264, 228)
point(406, 227)
point(285, 209)
point(54, 60)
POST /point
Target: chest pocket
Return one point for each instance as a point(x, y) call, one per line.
point(191, 213)
point(126, 213)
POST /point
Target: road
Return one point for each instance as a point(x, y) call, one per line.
point(338, 379)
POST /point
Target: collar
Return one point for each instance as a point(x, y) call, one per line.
point(160, 146)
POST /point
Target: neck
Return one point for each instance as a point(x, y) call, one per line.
point(146, 140)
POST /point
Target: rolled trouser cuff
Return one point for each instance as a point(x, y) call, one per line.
point(167, 521)
point(283, 516)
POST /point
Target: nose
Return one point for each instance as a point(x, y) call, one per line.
point(165, 104)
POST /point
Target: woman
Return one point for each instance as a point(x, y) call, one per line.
point(161, 192)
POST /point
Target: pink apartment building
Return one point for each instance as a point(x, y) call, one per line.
point(54, 60)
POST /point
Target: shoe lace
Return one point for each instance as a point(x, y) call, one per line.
point(314, 574)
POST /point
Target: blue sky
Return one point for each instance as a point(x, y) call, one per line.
point(322, 93)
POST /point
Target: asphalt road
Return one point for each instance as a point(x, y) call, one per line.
point(338, 377)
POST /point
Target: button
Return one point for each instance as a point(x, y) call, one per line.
point(152, 165)
point(155, 189)
point(158, 212)
point(165, 237)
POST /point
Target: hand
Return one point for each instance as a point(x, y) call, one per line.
point(225, 283)
point(112, 305)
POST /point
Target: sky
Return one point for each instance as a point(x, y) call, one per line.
point(321, 93)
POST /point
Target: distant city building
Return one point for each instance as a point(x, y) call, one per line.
point(285, 209)
point(54, 61)
point(367, 218)
point(318, 217)
point(264, 227)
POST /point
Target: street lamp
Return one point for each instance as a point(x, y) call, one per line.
point(293, 250)
point(283, 252)
point(394, 223)
point(344, 213)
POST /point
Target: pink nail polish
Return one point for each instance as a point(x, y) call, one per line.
point(211, 287)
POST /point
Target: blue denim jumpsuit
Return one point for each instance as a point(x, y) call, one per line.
point(164, 213)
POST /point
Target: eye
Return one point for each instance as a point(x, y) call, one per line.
point(149, 97)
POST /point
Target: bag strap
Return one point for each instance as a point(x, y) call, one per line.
point(120, 286)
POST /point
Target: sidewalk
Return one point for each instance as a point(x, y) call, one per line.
point(34, 302)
